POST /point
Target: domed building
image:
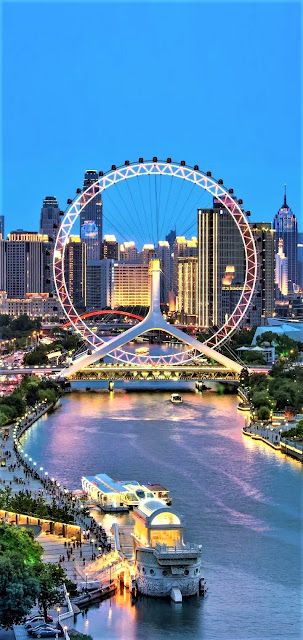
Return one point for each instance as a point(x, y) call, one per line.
point(164, 564)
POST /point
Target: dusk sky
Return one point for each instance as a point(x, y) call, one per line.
point(87, 85)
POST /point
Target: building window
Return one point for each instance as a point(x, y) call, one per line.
point(152, 573)
point(164, 572)
point(186, 572)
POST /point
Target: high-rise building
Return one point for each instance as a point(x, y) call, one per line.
point(183, 248)
point(163, 252)
point(286, 228)
point(3, 262)
point(281, 271)
point(128, 252)
point(50, 217)
point(221, 266)
point(92, 213)
point(110, 248)
point(27, 255)
point(49, 226)
point(1, 227)
point(130, 285)
point(300, 259)
point(99, 284)
point(187, 298)
point(75, 271)
point(263, 302)
point(171, 237)
point(89, 235)
point(148, 253)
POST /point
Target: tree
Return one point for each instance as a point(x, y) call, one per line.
point(261, 399)
point(51, 578)
point(263, 413)
point(20, 554)
point(18, 590)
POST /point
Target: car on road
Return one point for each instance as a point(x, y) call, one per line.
point(46, 632)
point(34, 620)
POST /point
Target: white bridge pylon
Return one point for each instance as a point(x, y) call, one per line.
point(153, 321)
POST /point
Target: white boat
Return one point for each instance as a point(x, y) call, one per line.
point(175, 398)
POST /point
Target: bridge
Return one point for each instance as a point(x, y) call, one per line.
point(154, 373)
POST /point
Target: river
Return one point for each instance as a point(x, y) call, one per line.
point(238, 498)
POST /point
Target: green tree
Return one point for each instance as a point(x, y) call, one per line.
point(263, 413)
point(19, 588)
point(20, 555)
point(261, 399)
point(51, 579)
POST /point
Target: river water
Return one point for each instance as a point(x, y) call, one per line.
point(238, 498)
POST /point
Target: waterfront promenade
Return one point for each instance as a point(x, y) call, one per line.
point(82, 555)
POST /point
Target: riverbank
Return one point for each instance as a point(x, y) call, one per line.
point(76, 551)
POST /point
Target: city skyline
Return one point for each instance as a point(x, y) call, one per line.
point(248, 138)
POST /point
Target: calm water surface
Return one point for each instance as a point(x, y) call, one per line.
point(238, 498)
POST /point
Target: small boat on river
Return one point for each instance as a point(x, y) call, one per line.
point(175, 398)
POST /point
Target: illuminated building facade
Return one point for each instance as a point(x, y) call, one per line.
point(130, 285)
point(99, 284)
point(281, 271)
point(128, 252)
point(286, 229)
point(163, 252)
point(187, 298)
point(164, 564)
point(89, 235)
point(148, 253)
point(26, 255)
point(110, 248)
point(1, 227)
point(75, 261)
point(34, 305)
point(263, 303)
point(183, 248)
point(50, 217)
point(221, 266)
point(91, 217)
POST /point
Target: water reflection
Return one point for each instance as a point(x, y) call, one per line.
point(239, 498)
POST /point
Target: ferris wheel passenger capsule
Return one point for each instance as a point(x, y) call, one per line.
point(78, 190)
point(126, 163)
point(155, 159)
point(141, 160)
point(208, 173)
point(196, 167)
point(230, 191)
point(100, 174)
point(114, 167)
point(69, 201)
point(168, 160)
point(220, 181)
point(182, 163)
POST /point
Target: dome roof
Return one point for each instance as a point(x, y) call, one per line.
point(149, 506)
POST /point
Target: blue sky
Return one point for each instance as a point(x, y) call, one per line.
point(86, 85)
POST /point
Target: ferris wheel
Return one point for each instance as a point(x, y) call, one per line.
point(139, 175)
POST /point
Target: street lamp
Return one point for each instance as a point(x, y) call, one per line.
point(58, 611)
point(86, 582)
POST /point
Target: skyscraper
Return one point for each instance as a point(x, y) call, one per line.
point(263, 302)
point(281, 271)
point(26, 259)
point(187, 298)
point(1, 227)
point(221, 266)
point(128, 252)
point(183, 248)
point(285, 226)
point(99, 284)
point(92, 213)
point(163, 252)
point(75, 271)
point(89, 235)
point(50, 217)
point(110, 247)
point(131, 285)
